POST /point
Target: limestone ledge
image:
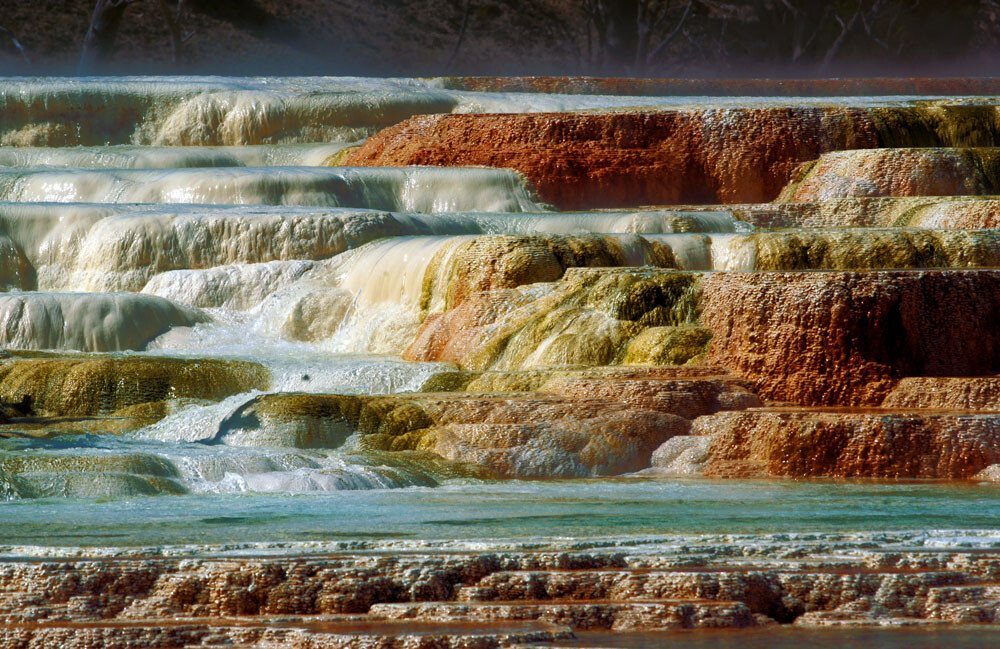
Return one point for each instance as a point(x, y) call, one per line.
point(725, 155)
point(488, 598)
point(811, 338)
point(531, 435)
point(938, 212)
point(55, 385)
point(897, 172)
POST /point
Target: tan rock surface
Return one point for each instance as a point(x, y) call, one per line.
point(949, 393)
point(898, 172)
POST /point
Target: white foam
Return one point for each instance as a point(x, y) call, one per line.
point(410, 189)
point(238, 287)
point(88, 322)
point(170, 157)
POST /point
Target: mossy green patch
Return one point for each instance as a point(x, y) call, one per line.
point(668, 346)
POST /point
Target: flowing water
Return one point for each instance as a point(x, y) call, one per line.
point(195, 220)
point(198, 213)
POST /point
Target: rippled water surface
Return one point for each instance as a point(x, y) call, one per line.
point(512, 510)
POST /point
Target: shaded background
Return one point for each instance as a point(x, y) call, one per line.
point(658, 38)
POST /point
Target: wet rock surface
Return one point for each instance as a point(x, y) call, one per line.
point(897, 172)
point(489, 598)
point(737, 155)
point(809, 298)
point(881, 444)
point(846, 338)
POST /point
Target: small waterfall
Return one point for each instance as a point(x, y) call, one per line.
point(414, 189)
point(171, 157)
point(88, 321)
point(730, 251)
point(394, 271)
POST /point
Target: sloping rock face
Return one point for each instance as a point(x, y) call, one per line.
point(587, 318)
point(946, 393)
point(824, 338)
point(520, 435)
point(846, 338)
point(737, 155)
point(898, 172)
point(58, 386)
point(837, 444)
point(91, 322)
point(498, 262)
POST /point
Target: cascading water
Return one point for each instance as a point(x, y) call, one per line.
point(199, 221)
point(414, 405)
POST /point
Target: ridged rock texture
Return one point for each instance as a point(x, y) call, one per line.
point(736, 155)
point(500, 597)
point(829, 338)
point(792, 289)
point(897, 172)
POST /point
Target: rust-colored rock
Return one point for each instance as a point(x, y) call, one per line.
point(847, 337)
point(946, 393)
point(898, 172)
point(732, 155)
point(686, 398)
point(879, 444)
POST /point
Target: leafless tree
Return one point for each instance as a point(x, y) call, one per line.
point(632, 35)
point(461, 33)
point(175, 23)
point(8, 39)
point(99, 43)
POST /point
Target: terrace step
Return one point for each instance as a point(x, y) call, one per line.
point(593, 614)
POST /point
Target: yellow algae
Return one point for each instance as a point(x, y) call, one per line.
point(88, 385)
point(668, 346)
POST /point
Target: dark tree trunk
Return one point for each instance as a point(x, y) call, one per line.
point(99, 44)
point(622, 33)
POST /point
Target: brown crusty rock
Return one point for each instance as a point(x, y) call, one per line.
point(873, 444)
point(898, 172)
point(724, 155)
point(847, 337)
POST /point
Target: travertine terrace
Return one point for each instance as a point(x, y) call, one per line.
point(481, 363)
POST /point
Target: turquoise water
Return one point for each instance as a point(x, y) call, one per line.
point(590, 509)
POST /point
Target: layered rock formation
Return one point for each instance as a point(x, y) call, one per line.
point(809, 338)
point(499, 597)
point(897, 172)
point(738, 155)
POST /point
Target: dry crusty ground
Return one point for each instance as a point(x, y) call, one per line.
point(303, 36)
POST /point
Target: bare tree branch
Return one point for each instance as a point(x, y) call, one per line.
point(669, 37)
point(461, 34)
point(845, 30)
point(99, 43)
point(6, 35)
